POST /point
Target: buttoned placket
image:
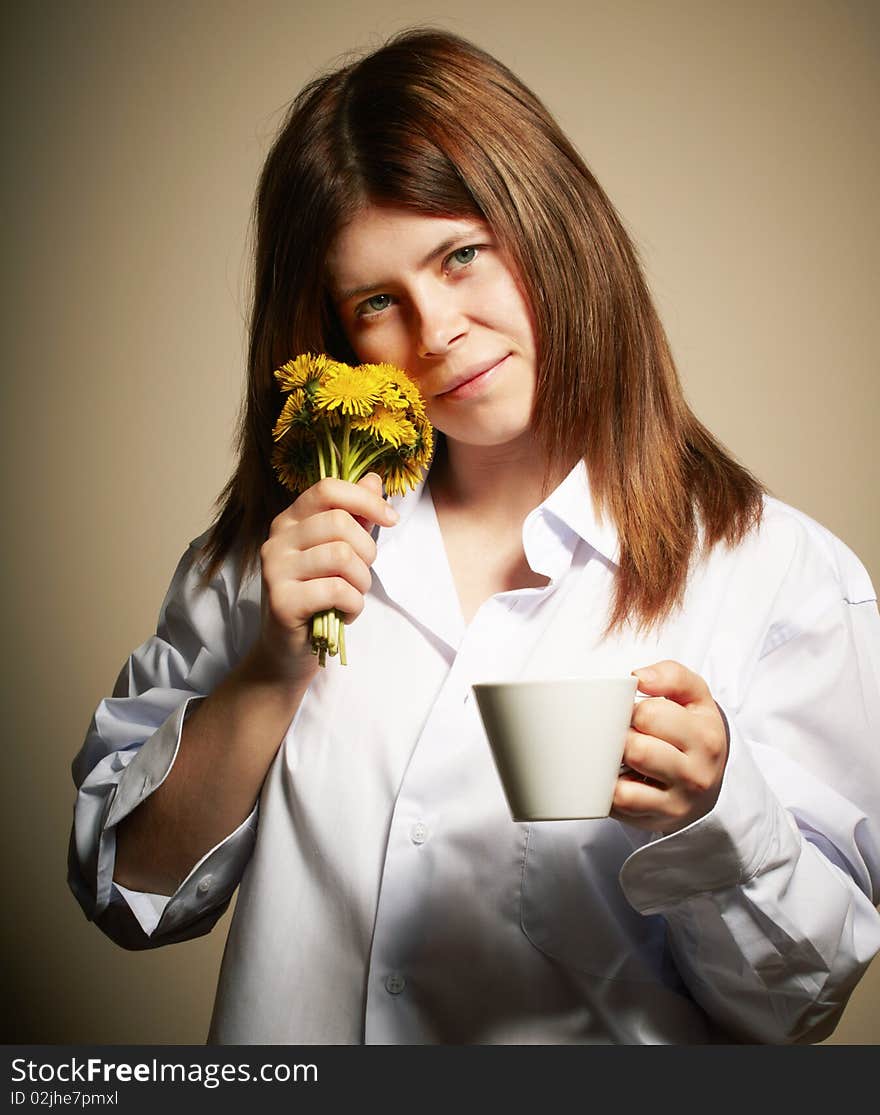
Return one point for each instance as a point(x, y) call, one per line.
point(452, 741)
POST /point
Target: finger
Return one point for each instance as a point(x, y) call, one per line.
point(330, 526)
point(332, 559)
point(674, 681)
point(279, 553)
point(647, 757)
point(373, 483)
point(635, 799)
point(663, 719)
point(330, 493)
point(326, 593)
point(292, 603)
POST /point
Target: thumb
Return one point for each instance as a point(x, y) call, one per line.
point(372, 481)
point(675, 682)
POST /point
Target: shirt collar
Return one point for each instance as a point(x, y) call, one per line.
point(550, 530)
point(572, 504)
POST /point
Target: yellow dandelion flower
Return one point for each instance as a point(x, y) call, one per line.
point(293, 460)
point(393, 397)
point(351, 390)
point(398, 390)
point(293, 410)
point(387, 426)
point(400, 474)
point(424, 444)
point(421, 448)
point(340, 421)
point(426, 430)
point(303, 370)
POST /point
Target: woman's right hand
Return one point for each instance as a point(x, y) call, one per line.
point(317, 556)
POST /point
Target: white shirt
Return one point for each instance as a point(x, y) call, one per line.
point(386, 894)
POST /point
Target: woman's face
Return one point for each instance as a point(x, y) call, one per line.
point(437, 297)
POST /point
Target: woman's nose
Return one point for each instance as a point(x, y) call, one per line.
point(440, 324)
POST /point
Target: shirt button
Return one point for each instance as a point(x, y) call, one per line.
point(395, 983)
point(418, 834)
point(205, 885)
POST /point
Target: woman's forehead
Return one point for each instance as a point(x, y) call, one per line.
point(381, 236)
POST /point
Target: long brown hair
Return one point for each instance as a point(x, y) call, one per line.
point(431, 122)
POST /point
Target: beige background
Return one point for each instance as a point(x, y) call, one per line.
point(739, 142)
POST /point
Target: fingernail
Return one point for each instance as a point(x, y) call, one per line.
point(390, 514)
point(645, 674)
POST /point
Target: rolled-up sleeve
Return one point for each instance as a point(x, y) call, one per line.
point(131, 745)
point(770, 899)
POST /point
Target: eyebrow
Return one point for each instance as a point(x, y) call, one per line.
point(439, 250)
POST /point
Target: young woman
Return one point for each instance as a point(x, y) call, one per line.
point(421, 207)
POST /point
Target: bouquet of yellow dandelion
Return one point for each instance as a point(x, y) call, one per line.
point(344, 421)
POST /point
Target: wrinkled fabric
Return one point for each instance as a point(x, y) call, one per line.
point(385, 894)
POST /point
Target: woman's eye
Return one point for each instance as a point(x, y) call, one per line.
point(374, 305)
point(462, 256)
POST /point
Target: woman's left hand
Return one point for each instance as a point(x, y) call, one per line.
point(676, 750)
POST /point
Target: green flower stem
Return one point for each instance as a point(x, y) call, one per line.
point(327, 627)
point(361, 461)
point(332, 452)
point(345, 470)
point(349, 461)
point(322, 468)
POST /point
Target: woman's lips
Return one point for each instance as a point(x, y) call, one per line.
point(475, 384)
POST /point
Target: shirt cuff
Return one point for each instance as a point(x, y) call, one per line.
point(150, 766)
point(116, 786)
point(748, 831)
point(147, 908)
point(210, 882)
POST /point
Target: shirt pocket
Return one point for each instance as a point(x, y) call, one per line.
point(573, 910)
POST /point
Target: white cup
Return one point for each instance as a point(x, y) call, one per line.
point(557, 745)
